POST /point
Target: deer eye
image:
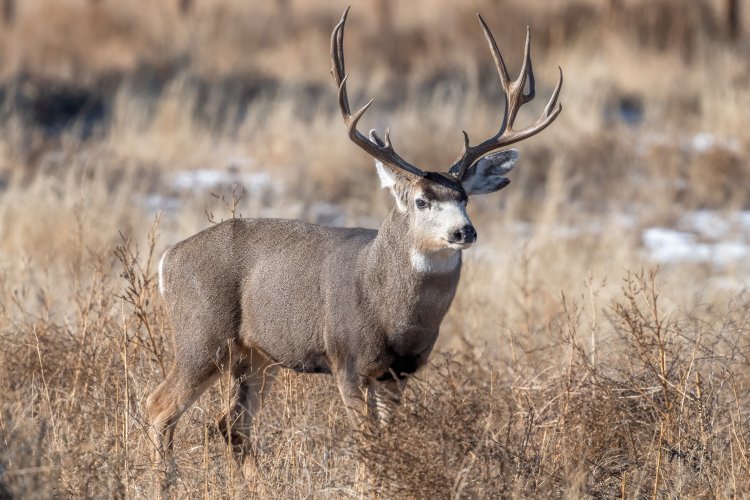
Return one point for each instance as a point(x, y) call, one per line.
point(421, 204)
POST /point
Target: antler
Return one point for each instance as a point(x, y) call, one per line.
point(383, 152)
point(514, 99)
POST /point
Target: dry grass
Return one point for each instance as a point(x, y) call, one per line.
point(563, 369)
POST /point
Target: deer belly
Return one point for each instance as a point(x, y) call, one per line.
point(314, 363)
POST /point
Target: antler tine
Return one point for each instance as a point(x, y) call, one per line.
point(502, 69)
point(514, 99)
point(338, 70)
point(554, 96)
point(528, 67)
point(384, 152)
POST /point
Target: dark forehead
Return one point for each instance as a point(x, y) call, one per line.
point(440, 187)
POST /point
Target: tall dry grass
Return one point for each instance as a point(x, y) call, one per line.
point(565, 368)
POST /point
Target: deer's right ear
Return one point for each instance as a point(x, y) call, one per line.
point(395, 183)
point(488, 174)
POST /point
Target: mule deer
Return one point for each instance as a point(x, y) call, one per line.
point(248, 296)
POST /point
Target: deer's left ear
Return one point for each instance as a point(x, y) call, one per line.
point(486, 175)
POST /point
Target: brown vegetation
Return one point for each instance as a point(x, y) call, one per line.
point(563, 369)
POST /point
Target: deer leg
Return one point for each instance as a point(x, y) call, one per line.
point(252, 378)
point(384, 397)
point(353, 389)
point(165, 406)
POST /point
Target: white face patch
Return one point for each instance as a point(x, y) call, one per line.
point(434, 224)
point(444, 261)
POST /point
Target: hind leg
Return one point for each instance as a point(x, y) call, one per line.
point(194, 371)
point(252, 377)
point(167, 403)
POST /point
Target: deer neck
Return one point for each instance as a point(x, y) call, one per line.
point(412, 284)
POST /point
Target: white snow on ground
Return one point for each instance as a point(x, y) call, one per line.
point(667, 245)
point(705, 141)
point(697, 143)
point(703, 236)
point(257, 184)
point(707, 224)
point(159, 203)
point(206, 179)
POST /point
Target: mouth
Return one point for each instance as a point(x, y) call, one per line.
point(456, 245)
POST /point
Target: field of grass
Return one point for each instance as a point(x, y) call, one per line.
point(599, 343)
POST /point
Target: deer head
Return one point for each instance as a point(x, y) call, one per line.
point(435, 202)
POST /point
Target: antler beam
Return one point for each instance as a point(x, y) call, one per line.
point(514, 99)
point(384, 152)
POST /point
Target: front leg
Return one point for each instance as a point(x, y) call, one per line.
point(384, 398)
point(353, 389)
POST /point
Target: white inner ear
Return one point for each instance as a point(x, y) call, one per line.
point(486, 176)
point(388, 180)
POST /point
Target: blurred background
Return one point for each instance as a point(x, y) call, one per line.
point(116, 114)
point(113, 111)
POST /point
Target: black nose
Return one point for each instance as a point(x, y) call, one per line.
point(466, 234)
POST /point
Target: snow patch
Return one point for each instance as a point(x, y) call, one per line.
point(168, 197)
point(702, 237)
point(203, 179)
point(705, 141)
point(708, 224)
point(153, 203)
point(669, 245)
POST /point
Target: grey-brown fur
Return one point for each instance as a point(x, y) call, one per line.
point(312, 298)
